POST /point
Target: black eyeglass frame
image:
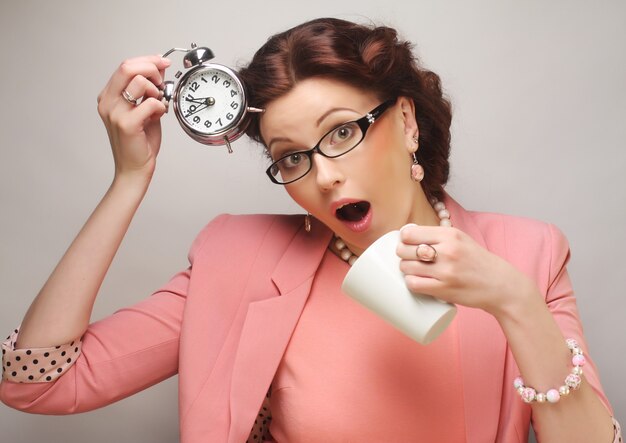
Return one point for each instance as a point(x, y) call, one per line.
point(364, 124)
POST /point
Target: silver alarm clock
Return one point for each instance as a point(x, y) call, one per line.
point(210, 100)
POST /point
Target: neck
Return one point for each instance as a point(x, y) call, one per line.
point(422, 212)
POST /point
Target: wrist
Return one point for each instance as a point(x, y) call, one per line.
point(136, 180)
point(520, 306)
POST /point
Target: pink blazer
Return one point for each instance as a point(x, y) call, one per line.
point(224, 323)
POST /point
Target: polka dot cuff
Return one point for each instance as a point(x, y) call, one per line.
point(36, 365)
point(261, 429)
point(617, 432)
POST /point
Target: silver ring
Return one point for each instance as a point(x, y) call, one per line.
point(426, 253)
point(129, 98)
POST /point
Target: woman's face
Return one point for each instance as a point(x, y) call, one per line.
point(366, 192)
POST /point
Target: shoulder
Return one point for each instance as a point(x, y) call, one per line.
point(233, 231)
point(537, 247)
point(517, 230)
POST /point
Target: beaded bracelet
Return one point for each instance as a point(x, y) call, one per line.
point(572, 381)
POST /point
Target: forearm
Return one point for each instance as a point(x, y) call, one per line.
point(544, 361)
point(62, 309)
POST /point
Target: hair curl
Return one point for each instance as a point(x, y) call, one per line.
point(371, 58)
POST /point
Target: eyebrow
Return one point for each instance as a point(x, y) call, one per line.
point(317, 123)
point(330, 111)
point(277, 139)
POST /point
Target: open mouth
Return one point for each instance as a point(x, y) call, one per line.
point(353, 212)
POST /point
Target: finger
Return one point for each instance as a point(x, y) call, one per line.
point(131, 68)
point(153, 91)
point(150, 109)
point(414, 234)
point(425, 285)
point(417, 268)
point(132, 122)
point(152, 67)
point(140, 87)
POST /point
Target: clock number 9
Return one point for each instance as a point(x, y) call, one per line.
point(196, 119)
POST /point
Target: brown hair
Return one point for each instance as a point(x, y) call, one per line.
point(368, 57)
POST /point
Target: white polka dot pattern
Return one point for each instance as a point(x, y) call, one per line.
point(36, 365)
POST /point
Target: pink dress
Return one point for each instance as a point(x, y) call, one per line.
point(349, 376)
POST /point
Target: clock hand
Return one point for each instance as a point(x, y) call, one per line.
point(209, 100)
point(198, 109)
point(205, 103)
point(196, 100)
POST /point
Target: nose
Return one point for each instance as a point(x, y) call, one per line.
point(327, 172)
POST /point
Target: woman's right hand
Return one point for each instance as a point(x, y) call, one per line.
point(134, 130)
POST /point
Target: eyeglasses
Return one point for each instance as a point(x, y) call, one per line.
point(335, 143)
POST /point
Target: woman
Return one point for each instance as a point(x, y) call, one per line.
point(257, 326)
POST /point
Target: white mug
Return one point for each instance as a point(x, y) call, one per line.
point(375, 281)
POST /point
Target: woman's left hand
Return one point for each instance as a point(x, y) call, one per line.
point(463, 272)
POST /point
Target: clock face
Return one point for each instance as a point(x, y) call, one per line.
point(210, 100)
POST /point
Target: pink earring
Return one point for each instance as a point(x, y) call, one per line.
point(417, 172)
point(307, 222)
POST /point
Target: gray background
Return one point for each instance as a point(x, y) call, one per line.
point(540, 121)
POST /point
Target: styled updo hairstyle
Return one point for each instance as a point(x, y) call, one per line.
point(367, 57)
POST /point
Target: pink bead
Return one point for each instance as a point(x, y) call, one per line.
point(518, 382)
point(553, 395)
point(528, 395)
point(573, 381)
point(578, 360)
